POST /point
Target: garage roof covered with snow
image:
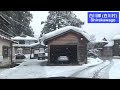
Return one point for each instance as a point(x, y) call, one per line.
point(65, 29)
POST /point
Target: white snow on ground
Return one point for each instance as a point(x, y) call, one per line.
point(104, 73)
point(29, 69)
point(114, 72)
point(66, 71)
point(32, 68)
point(90, 72)
point(92, 61)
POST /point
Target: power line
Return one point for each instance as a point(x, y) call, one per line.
point(10, 30)
point(14, 20)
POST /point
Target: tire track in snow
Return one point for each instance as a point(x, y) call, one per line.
point(104, 72)
point(89, 67)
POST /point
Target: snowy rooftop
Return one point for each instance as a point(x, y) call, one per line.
point(64, 29)
point(23, 38)
point(116, 37)
point(110, 43)
point(101, 40)
point(3, 37)
point(26, 45)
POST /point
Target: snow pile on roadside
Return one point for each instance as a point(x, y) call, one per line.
point(92, 61)
point(32, 69)
point(114, 72)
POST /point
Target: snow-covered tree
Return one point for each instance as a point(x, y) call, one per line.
point(19, 22)
point(59, 19)
point(91, 44)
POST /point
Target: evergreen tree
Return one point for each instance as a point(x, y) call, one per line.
point(19, 22)
point(59, 19)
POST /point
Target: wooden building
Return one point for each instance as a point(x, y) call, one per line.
point(68, 41)
point(107, 51)
point(116, 46)
point(6, 50)
point(25, 42)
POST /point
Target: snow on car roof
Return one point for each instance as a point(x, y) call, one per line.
point(64, 29)
point(116, 37)
point(23, 38)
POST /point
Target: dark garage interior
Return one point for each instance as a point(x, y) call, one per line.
point(63, 50)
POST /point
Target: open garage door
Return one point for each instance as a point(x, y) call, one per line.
point(63, 54)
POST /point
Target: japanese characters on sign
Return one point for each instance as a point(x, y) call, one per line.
point(103, 17)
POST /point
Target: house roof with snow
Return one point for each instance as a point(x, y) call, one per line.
point(116, 37)
point(63, 30)
point(110, 44)
point(26, 45)
point(101, 40)
point(6, 36)
point(3, 37)
point(23, 38)
point(31, 45)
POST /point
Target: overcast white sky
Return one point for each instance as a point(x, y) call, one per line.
point(107, 30)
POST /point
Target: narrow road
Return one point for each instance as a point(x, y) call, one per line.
point(104, 72)
point(97, 71)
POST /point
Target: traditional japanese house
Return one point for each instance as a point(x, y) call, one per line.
point(107, 51)
point(25, 42)
point(6, 50)
point(68, 41)
point(105, 48)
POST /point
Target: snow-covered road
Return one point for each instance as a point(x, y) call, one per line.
point(104, 72)
point(33, 68)
point(115, 70)
point(97, 71)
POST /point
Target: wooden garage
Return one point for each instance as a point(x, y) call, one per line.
point(70, 42)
